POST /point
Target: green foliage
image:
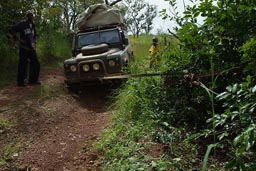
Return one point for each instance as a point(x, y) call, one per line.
point(54, 47)
point(207, 154)
point(130, 144)
point(8, 51)
point(8, 60)
point(142, 98)
point(121, 148)
point(223, 42)
point(144, 117)
point(140, 46)
point(221, 52)
point(249, 53)
point(236, 125)
point(3, 124)
point(6, 153)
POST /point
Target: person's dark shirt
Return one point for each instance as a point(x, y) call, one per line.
point(27, 33)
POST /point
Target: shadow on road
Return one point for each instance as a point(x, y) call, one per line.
point(96, 98)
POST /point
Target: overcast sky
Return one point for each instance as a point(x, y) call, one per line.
point(164, 24)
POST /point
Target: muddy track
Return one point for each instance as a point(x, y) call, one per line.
point(51, 129)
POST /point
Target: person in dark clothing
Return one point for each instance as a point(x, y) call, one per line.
point(27, 50)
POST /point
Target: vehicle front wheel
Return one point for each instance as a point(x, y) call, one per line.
point(72, 87)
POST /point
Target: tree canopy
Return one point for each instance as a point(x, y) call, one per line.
point(139, 16)
point(54, 20)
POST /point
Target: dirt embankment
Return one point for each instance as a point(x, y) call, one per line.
point(49, 128)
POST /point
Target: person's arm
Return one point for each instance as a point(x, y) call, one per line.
point(14, 29)
point(35, 32)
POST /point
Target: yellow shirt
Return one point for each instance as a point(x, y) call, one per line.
point(152, 49)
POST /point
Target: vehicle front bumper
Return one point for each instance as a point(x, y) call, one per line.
point(97, 80)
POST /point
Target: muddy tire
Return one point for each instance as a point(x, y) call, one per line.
point(94, 49)
point(72, 88)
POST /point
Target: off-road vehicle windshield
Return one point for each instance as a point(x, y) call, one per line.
point(109, 36)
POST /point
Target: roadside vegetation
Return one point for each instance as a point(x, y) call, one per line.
point(201, 116)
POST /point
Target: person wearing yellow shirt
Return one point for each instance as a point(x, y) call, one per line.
point(152, 50)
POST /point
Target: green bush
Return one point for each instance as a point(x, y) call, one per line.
point(8, 59)
point(138, 125)
point(53, 47)
point(236, 125)
point(221, 53)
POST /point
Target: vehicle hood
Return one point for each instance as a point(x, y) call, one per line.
point(109, 54)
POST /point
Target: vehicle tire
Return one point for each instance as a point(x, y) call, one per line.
point(72, 88)
point(117, 83)
point(94, 49)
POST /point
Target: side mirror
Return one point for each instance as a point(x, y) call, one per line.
point(126, 41)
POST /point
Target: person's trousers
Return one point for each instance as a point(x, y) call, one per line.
point(34, 66)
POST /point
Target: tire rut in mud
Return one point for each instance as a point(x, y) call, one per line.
point(52, 127)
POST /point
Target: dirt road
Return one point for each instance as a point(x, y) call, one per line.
point(49, 128)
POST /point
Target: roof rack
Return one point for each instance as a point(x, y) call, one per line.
point(109, 26)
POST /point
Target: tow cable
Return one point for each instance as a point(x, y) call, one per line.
point(193, 79)
point(134, 76)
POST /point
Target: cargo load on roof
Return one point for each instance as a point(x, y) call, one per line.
point(98, 15)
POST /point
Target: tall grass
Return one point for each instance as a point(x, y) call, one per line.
point(141, 46)
point(8, 59)
point(125, 145)
point(54, 48)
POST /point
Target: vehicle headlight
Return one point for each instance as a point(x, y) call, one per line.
point(73, 68)
point(111, 63)
point(86, 68)
point(96, 66)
